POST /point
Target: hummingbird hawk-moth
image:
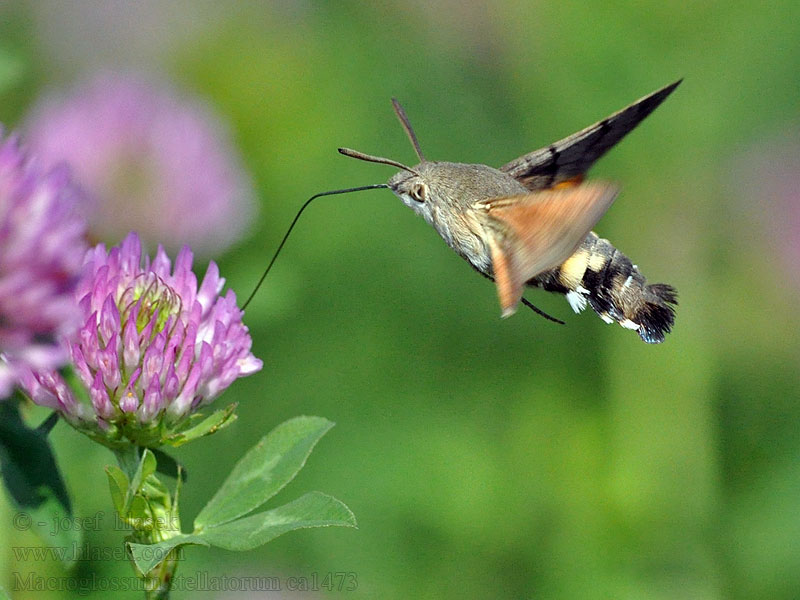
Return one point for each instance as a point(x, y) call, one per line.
point(529, 223)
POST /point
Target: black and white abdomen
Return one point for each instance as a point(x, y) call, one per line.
point(601, 276)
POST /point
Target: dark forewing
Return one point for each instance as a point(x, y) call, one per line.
point(573, 155)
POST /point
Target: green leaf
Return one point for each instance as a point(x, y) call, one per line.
point(211, 424)
point(34, 482)
point(147, 556)
point(155, 490)
point(139, 515)
point(264, 470)
point(57, 528)
point(147, 466)
point(46, 426)
point(129, 459)
point(27, 460)
point(3, 594)
point(118, 485)
point(314, 509)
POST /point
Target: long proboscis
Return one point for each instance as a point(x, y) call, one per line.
point(294, 222)
point(375, 186)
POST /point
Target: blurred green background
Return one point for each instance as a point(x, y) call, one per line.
point(487, 458)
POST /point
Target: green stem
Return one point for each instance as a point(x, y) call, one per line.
point(153, 520)
point(159, 581)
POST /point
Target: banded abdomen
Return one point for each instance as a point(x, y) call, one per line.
point(602, 276)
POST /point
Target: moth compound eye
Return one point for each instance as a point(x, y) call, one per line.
point(418, 192)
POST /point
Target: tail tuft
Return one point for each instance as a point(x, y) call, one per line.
point(656, 315)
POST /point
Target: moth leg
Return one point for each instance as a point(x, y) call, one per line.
point(526, 302)
point(540, 312)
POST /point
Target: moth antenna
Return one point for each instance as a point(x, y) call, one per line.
point(401, 114)
point(294, 222)
point(376, 159)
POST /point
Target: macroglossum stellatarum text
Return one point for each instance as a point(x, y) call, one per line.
point(529, 222)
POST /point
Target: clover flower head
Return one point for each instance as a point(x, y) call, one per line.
point(151, 160)
point(153, 349)
point(41, 251)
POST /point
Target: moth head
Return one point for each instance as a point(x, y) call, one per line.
point(413, 190)
point(409, 184)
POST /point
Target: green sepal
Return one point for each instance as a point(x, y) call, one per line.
point(264, 470)
point(208, 425)
point(314, 509)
